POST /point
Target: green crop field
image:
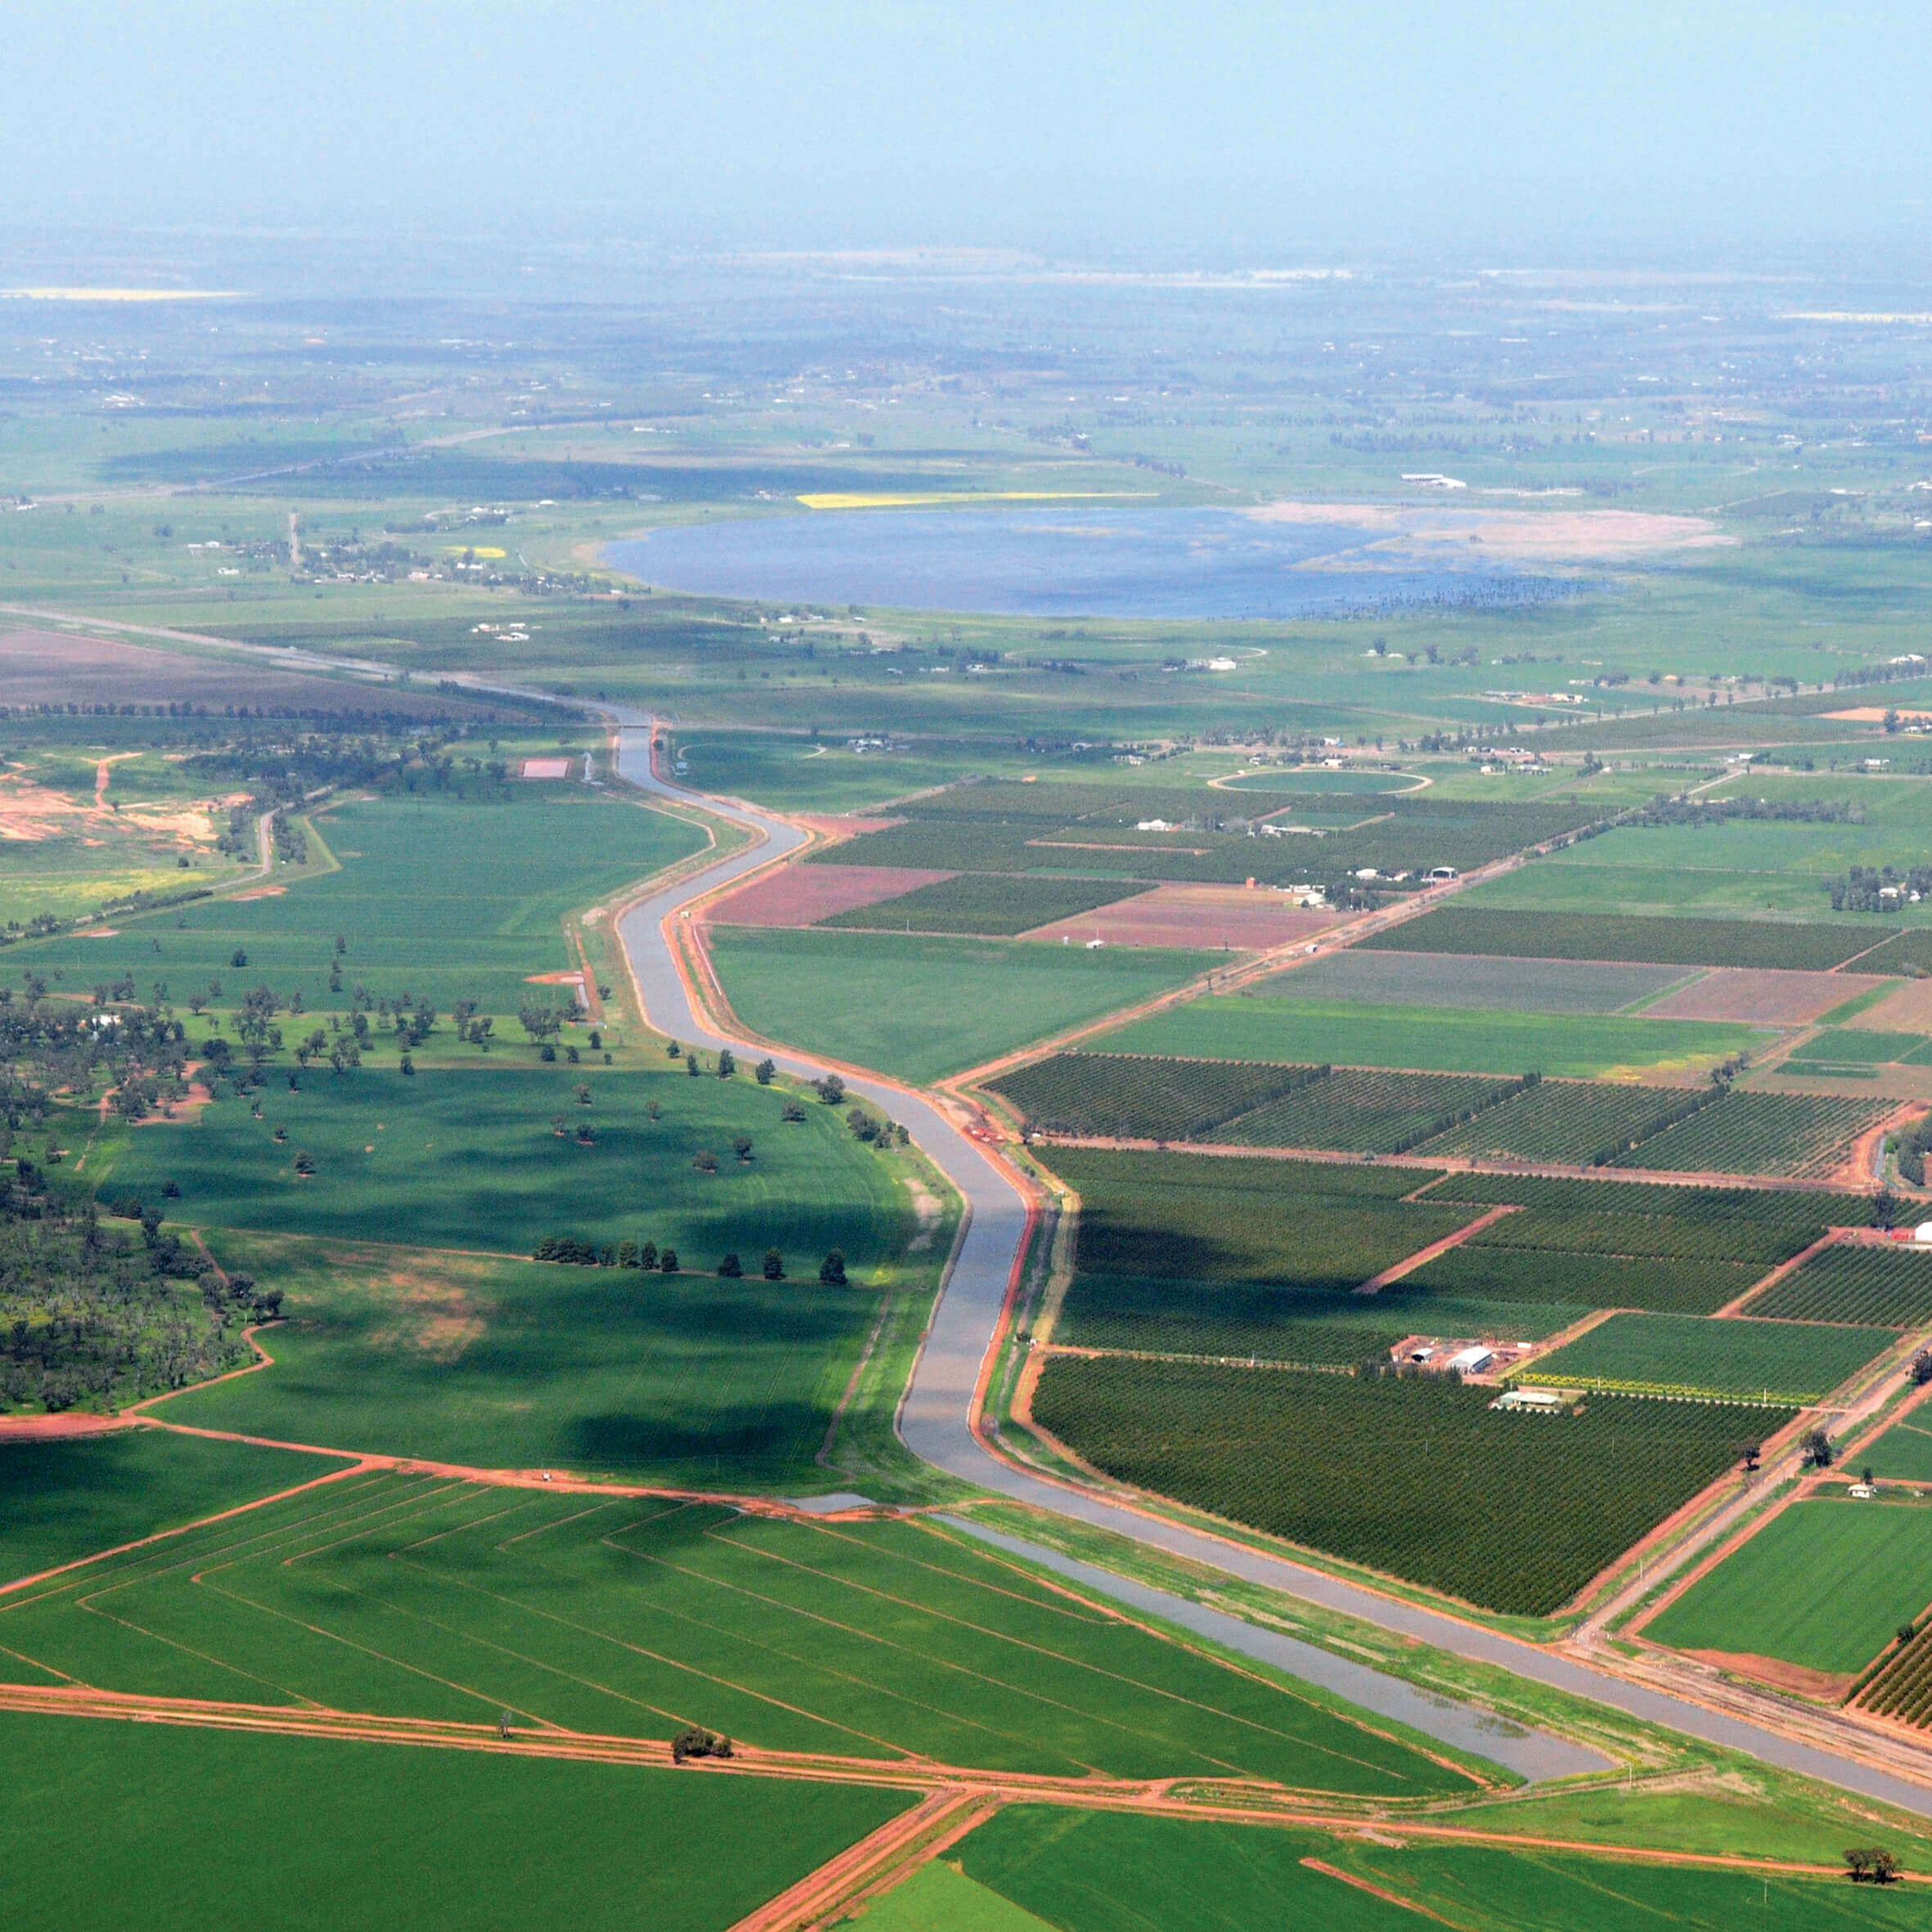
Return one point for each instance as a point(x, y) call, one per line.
point(60, 1501)
point(479, 1156)
point(1660, 1282)
point(1784, 1362)
point(939, 1897)
point(920, 1008)
point(1858, 1046)
point(444, 899)
point(1471, 983)
point(1681, 1250)
point(795, 773)
point(1139, 1097)
point(1091, 1870)
point(1887, 1287)
point(1362, 1110)
point(1278, 1026)
point(413, 1594)
point(1216, 1218)
point(1803, 1136)
point(1905, 1450)
point(1312, 1327)
point(1783, 1593)
point(988, 904)
point(1420, 1479)
point(1579, 1123)
point(1813, 946)
point(494, 1364)
point(107, 1828)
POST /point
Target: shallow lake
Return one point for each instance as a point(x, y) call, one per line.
point(1094, 560)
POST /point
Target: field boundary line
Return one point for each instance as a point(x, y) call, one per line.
point(1381, 1892)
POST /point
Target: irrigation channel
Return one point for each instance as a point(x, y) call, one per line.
point(936, 1420)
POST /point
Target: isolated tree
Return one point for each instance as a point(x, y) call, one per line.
point(831, 1089)
point(767, 1071)
point(691, 1065)
point(742, 1146)
point(832, 1270)
point(727, 1063)
point(1818, 1449)
point(730, 1268)
point(667, 1261)
point(774, 1264)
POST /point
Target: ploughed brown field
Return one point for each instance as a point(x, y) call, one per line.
point(1201, 917)
point(50, 667)
point(803, 895)
point(1761, 995)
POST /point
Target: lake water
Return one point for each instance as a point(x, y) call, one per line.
point(1092, 561)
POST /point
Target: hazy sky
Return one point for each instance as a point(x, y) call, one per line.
point(1246, 129)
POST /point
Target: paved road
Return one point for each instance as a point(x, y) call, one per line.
point(934, 1422)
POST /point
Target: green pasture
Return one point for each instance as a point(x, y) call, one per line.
point(494, 1364)
point(1434, 1039)
point(1859, 1046)
point(1675, 1355)
point(63, 1500)
point(107, 1827)
point(409, 1594)
point(1825, 1584)
point(472, 1157)
point(445, 899)
point(921, 1008)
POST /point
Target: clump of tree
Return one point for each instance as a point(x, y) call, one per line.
point(695, 1741)
point(1914, 1143)
point(1872, 1865)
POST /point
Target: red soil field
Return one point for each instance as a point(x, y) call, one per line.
point(1761, 994)
point(1246, 920)
point(803, 895)
point(49, 667)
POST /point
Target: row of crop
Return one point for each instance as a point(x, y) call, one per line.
point(1366, 1110)
point(1607, 1230)
point(1419, 1478)
point(1140, 1097)
point(1902, 1689)
point(1567, 1121)
point(1672, 1391)
point(1801, 1136)
point(1882, 1286)
point(1759, 1223)
point(1813, 946)
point(1654, 1283)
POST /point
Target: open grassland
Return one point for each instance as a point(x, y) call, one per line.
point(1277, 1025)
point(1812, 946)
point(391, 1836)
point(489, 1157)
point(1108, 1871)
point(1420, 1479)
point(1671, 1354)
point(62, 1500)
point(1211, 1218)
point(1785, 1593)
point(413, 1595)
point(442, 898)
point(1312, 1327)
point(987, 904)
point(1801, 1136)
point(1886, 1286)
point(613, 1372)
point(1469, 981)
point(920, 1008)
